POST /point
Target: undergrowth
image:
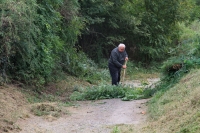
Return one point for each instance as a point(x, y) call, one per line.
point(173, 99)
point(140, 71)
point(183, 58)
point(175, 104)
point(108, 92)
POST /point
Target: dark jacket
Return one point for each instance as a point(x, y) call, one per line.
point(117, 58)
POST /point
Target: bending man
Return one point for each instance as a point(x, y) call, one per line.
point(116, 61)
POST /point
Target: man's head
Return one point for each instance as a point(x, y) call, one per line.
point(121, 47)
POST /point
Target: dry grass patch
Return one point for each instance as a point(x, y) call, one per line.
point(13, 105)
point(178, 110)
point(64, 88)
point(47, 109)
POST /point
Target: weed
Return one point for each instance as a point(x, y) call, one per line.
point(107, 92)
point(125, 128)
point(115, 130)
point(185, 130)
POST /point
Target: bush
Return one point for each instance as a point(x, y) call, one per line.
point(36, 40)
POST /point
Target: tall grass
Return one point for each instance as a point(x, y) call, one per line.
point(177, 110)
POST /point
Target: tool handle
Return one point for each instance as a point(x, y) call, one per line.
point(124, 72)
point(125, 62)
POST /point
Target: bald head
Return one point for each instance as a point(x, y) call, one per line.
point(121, 47)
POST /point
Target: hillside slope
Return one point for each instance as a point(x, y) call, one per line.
point(178, 110)
point(13, 105)
point(175, 111)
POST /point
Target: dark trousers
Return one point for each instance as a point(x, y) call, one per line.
point(115, 73)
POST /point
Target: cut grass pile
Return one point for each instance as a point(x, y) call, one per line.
point(107, 92)
point(51, 109)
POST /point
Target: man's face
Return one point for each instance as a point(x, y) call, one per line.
point(121, 49)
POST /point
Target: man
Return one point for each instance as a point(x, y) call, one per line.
point(116, 61)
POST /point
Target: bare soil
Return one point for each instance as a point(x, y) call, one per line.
point(84, 116)
point(89, 117)
point(12, 107)
point(92, 116)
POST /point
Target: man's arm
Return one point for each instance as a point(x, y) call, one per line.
point(114, 56)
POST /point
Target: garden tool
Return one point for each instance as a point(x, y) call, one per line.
point(124, 73)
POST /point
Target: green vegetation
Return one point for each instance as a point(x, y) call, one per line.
point(138, 71)
point(38, 41)
point(108, 92)
point(42, 41)
point(183, 58)
point(174, 106)
point(176, 110)
point(147, 27)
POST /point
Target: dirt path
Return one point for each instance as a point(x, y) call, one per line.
point(90, 117)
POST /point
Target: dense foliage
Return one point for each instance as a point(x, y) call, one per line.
point(183, 58)
point(38, 39)
point(41, 39)
point(148, 27)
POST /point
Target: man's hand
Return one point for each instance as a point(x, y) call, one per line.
point(126, 58)
point(124, 66)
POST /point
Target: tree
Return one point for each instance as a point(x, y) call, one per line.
point(37, 37)
point(107, 24)
point(150, 26)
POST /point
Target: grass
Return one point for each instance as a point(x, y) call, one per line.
point(175, 110)
point(52, 101)
point(123, 128)
point(139, 72)
point(12, 107)
point(175, 105)
point(55, 92)
point(105, 91)
point(178, 109)
point(42, 109)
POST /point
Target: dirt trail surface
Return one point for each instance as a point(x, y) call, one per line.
point(89, 117)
